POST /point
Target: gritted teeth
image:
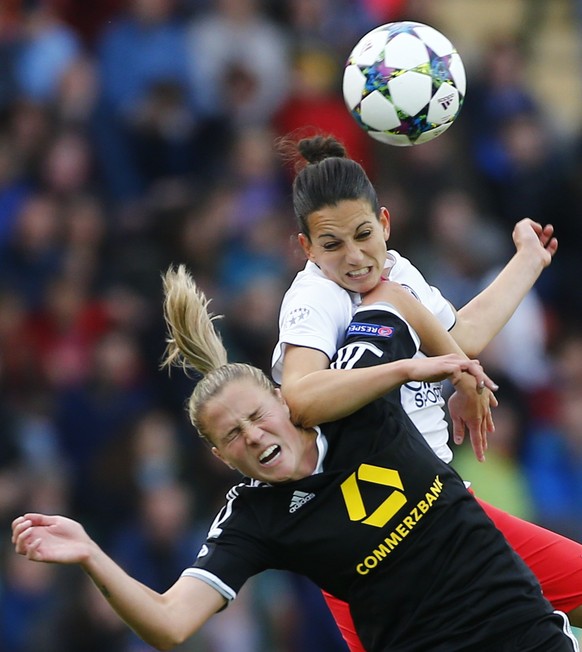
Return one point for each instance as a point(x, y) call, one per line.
point(359, 272)
point(269, 454)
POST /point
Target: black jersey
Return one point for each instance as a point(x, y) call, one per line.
point(382, 524)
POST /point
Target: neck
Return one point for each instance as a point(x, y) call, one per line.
point(311, 454)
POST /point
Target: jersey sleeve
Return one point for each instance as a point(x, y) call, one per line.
point(314, 316)
point(234, 550)
point(377, 334)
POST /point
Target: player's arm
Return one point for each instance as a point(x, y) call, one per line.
point(161, 620)
point(469, 407)
point(479, 321)
point(316, 394)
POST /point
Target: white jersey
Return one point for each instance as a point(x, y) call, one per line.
point(316, 313)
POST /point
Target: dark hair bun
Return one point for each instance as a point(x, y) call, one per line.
point(318, 148)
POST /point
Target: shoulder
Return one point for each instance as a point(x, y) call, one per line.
point(311, 289)
point(235, 510)
point(311, 279)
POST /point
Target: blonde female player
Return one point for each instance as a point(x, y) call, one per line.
point(343, 232)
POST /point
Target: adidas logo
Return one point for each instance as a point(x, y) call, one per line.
point(446, 101)
point(298, 499)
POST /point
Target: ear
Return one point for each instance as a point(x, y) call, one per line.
point(282, 400)
point(385, 222)
point(306, 245)
point(218, 454)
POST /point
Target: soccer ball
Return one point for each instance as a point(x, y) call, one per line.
point(404, 83)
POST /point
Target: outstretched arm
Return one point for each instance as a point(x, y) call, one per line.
point(162, 620)
point(479, 321)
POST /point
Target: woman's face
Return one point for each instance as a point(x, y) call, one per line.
point(250, 430)
point(348, 243)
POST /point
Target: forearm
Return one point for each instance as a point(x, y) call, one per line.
point(309, 397)
point(480, 320)
point(147, 612)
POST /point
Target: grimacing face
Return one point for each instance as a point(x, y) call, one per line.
point(251, 431)
point(348, 243)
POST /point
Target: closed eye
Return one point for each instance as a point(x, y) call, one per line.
point(364, 235)
point(331, 246)
point(232, 435)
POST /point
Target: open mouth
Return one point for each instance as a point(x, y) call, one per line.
point(270, 454)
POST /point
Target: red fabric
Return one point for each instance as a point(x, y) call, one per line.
point(555, 560)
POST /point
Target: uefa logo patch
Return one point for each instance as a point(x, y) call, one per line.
point(358, 328)
point(296, 316)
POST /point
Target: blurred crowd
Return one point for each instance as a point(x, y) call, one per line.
point(135, 134)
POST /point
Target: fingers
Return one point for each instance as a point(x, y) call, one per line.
point(489, 424)
point(458, 431)
point(477, 441)
point(483, 380)
point(22, 533)
point(552, 246)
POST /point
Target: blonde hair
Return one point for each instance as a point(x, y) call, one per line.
point(194, 344)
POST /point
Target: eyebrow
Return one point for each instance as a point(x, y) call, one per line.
point(251, 416)
point(332, 235)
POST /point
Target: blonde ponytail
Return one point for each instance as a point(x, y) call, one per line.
point(193, 343)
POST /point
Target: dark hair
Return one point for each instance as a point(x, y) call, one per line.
point(328, 177)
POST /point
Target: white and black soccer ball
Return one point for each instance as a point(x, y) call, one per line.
point(404, 83)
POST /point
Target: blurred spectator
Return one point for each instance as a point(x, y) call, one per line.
point(29, 602)
point(463, 246)
point(163, 539)
point(64, 332)
point(507, 134)
point(238, 61)
point(142, 62)
point(333, 25)
point(30, 130)
point(34, 256)
point(11, 27)
point(77, 94)
point(49, 48)
point(14, 189)
point(93, 420)
point(315, 105)
point(85, 621)
point(553, 452)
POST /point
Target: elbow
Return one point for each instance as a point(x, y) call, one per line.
point(165, 640)
point(301, 416)
point(299, 409)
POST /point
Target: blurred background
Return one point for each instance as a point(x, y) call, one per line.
point(139, 133)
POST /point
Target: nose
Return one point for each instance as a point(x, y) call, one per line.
point(354, 255)
point(252, 433)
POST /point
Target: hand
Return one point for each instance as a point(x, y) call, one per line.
point(451, 366)
point(536, 240)
point(50, 539)
point(471, 410)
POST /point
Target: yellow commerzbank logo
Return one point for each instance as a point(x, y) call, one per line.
point(376, 475)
